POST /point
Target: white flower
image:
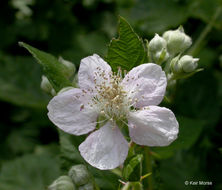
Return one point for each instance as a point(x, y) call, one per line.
point(102, 93)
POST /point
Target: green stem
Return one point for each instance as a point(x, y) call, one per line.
point(196, 47)
point(148, 160)
point(126, 186)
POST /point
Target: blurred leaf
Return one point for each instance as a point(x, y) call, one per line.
point(205, 10)
point(92, 42)
point(218, 75)
point(29, 172)
point(195, 100)
point(183, 167)
point(23, 140)
point(53, 69)
point(207, 58)
point(189, 132)
point(128, 50)
point(155, 16)
point(20, 82)
point(69, 152)
point(132, 168)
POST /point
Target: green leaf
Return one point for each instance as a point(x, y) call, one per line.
point(31, 172)
point(127, 51)
point(20, 81)
point(132, 168)
point(55, 71)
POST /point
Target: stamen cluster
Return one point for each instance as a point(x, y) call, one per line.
point(110, 98)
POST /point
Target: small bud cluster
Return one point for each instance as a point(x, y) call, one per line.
point(169, 48)
point(78, 178)
point(47, 87)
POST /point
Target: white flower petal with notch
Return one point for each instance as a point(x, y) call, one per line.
point(153, 126)
point(105, 148)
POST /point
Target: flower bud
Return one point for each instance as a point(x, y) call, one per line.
point(88, 186)
point(157, 44)
point(69, 65)
point(157, 49)
point(79, 174)
point(46, 86)
point(177, 41)
point(185, 64)
point(189, 64)
point(62, 183)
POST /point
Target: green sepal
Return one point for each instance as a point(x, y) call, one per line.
point(56, 72)
point(183, 75)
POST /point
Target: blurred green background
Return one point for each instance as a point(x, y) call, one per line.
point(29, 151)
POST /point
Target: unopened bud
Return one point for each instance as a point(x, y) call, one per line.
point(189, 64)
point(69, 65)
point(157, 49)
point(157, 44)
point(46, 86)
point(62, 183)
point(185, 64)
point(88, 186)
point(177, 41)
point(79, 174)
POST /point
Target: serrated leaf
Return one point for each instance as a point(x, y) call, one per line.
point(127, 51)
point(55, 71)
point(131, 170)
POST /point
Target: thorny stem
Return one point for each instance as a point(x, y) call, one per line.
point(148, 160)
point(195, 48)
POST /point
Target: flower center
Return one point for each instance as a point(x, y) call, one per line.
point(110, 99)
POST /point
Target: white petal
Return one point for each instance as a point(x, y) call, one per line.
point(90, 69)
point(146, 83)
point(105, 148)
point(153, 126)
point(70, 112)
